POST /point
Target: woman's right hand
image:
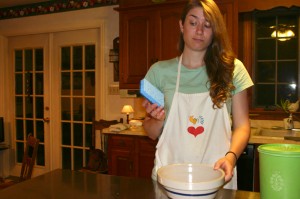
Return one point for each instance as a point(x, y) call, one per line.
point(154, 120)
point(154, 111)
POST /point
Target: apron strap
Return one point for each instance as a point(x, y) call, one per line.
point(178, 74)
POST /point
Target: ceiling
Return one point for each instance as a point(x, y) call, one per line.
point(11, 3)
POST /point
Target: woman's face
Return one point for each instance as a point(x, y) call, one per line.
point(197, 31)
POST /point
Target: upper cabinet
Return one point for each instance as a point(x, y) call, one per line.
point(149, 32)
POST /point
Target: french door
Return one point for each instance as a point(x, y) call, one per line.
point(54, 91)
point(75, 62)
point(29, 66)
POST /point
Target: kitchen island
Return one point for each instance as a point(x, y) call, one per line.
point(66, 184)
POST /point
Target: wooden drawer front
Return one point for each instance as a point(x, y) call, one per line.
point(122, 142)
point(146, 144)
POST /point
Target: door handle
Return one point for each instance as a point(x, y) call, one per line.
point(47, 119)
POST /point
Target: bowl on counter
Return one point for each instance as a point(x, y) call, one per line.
point(190, 180)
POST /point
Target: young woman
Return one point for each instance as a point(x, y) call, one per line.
point(203, 88)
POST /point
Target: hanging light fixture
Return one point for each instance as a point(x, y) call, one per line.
point(283, 34)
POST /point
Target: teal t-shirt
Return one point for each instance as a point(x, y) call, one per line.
point(163, 75)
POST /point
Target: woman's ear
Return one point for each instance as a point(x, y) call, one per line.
point(181, 26)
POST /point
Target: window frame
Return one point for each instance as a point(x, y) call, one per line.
point(246, 52)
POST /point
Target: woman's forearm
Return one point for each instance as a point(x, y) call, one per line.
point(241, 123)
point(240, 139)
point(154, 120)
point(153, 127)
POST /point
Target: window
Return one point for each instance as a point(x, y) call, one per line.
point(276, 57)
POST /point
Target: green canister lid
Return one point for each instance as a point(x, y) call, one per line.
point(289, 150)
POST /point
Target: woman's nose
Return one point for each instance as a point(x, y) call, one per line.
point(199, 29)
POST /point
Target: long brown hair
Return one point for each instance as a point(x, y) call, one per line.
point(219, 57)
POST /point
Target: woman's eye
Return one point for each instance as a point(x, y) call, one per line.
point(193, 23)
point(207, 25)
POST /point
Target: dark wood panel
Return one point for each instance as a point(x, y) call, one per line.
point(134, 160)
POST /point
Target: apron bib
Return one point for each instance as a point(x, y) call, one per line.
point(194, 132)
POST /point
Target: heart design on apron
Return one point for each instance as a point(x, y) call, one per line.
point(195, 131)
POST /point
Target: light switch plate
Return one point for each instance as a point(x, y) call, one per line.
point(113, 90)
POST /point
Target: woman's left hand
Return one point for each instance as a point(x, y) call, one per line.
point(227, 165)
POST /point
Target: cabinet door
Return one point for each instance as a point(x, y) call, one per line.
point(122, 163)
point(168, 32)
point(146, 156)
point(121, 155)
point(146, 36)
point(136, 46)
point(229, 9)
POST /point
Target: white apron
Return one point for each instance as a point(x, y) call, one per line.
point(193, 132)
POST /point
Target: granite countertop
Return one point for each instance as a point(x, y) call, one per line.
point(255, 138)
point(269, 136)
point(138, 131)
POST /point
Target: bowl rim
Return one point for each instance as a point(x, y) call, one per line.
point(209, 185)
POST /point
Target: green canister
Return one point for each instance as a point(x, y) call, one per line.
point(279, 168)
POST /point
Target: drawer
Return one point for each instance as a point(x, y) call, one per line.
point(146, 144)
point(121, 142)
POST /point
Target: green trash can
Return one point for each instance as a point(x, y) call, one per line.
point(279, 168)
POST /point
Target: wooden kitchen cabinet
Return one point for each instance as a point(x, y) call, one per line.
point(130, 155)
point(146, 157)
point(146, 36)
point(121, 155)
point(150, 32)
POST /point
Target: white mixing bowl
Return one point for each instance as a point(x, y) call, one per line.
point(190, 180)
